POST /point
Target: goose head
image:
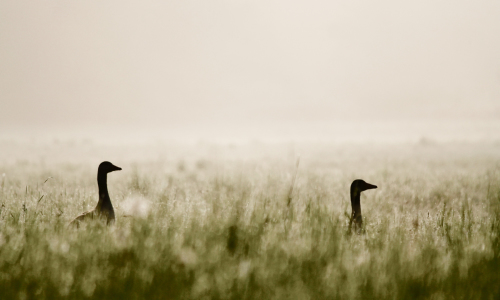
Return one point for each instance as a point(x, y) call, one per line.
point(359, 186)
point(107, 167)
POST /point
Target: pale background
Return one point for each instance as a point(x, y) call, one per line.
point(250, 70)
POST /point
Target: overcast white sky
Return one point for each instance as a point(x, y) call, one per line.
point(250, 69)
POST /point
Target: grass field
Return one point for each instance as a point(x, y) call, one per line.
point(432, 228)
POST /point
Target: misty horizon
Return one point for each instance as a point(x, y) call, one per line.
point(244, 70)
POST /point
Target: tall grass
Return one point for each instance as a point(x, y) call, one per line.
point(214, 222)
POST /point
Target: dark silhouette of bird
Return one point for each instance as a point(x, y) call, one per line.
point(357, 187)
point(104, 208)
point(232, 239)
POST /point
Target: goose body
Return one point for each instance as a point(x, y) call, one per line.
point(104, 208)
point(357, 187)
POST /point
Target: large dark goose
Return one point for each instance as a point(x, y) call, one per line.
point(104, 208)
point(357, 187)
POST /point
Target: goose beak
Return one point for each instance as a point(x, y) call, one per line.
point(115, 168)
point(370, 186)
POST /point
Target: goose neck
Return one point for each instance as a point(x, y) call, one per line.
point(356, 204)
point(103, 189)
point(102, 183)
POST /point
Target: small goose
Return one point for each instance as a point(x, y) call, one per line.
point(104, 208)
point(232, 239)
point(357, 187)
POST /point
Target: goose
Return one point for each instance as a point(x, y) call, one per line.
point(357, 187)
point(232, 239)
point(104, 208)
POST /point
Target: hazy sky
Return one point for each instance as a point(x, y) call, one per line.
point(249, 69)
